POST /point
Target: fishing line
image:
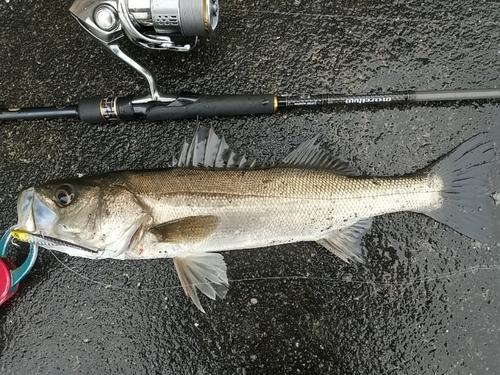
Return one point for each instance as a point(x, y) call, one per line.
point(468, 270)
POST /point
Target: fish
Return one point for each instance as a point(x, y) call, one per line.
point(214, 200)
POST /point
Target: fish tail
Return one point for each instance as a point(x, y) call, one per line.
point(466, 206)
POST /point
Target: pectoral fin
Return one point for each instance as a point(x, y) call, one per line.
point(346, 242)
point(186, 230)
point(206, 271)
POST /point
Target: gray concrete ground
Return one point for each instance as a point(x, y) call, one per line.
point(425, 302)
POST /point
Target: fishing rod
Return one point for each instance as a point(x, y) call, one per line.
point(188, 105)
point(152, 24)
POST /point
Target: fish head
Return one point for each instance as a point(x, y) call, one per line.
point(99, 214)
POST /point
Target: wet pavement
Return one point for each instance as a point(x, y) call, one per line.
point(425, 302)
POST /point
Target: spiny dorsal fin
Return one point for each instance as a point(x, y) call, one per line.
point(206, 271)
point(207, 150)
point(186, 230)
point(346, 242)
point(310, 155)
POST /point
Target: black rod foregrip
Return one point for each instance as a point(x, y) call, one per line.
point(193, 105)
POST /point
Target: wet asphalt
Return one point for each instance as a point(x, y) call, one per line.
point(426, 301)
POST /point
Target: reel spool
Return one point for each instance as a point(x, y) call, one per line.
point(149, 24)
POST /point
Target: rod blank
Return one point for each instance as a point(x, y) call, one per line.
point(38, 113)
point(388, 98)
point(446, 95)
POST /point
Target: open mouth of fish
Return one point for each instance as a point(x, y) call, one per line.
point(35, 219)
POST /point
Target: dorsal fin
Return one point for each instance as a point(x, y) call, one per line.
point(207, 150)
point(310, 155)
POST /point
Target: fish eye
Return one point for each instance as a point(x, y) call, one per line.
point(64, 195)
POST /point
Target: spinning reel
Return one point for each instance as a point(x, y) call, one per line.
point(149, 24)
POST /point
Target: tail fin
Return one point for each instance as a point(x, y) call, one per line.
point(466, 206)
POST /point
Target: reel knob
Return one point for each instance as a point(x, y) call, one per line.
point(105, 17)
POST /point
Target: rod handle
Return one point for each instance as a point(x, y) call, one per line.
point(188, 105)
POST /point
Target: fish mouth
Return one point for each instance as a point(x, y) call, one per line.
point(33, 215)
point(25, 219)
point(40, 224)
point(36, 223)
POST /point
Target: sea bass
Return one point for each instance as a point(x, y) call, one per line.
point(213, 200)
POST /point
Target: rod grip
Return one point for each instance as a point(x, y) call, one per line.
point(188, 105)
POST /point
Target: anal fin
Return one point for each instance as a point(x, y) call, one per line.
point(206, 272)
point(346, 242)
